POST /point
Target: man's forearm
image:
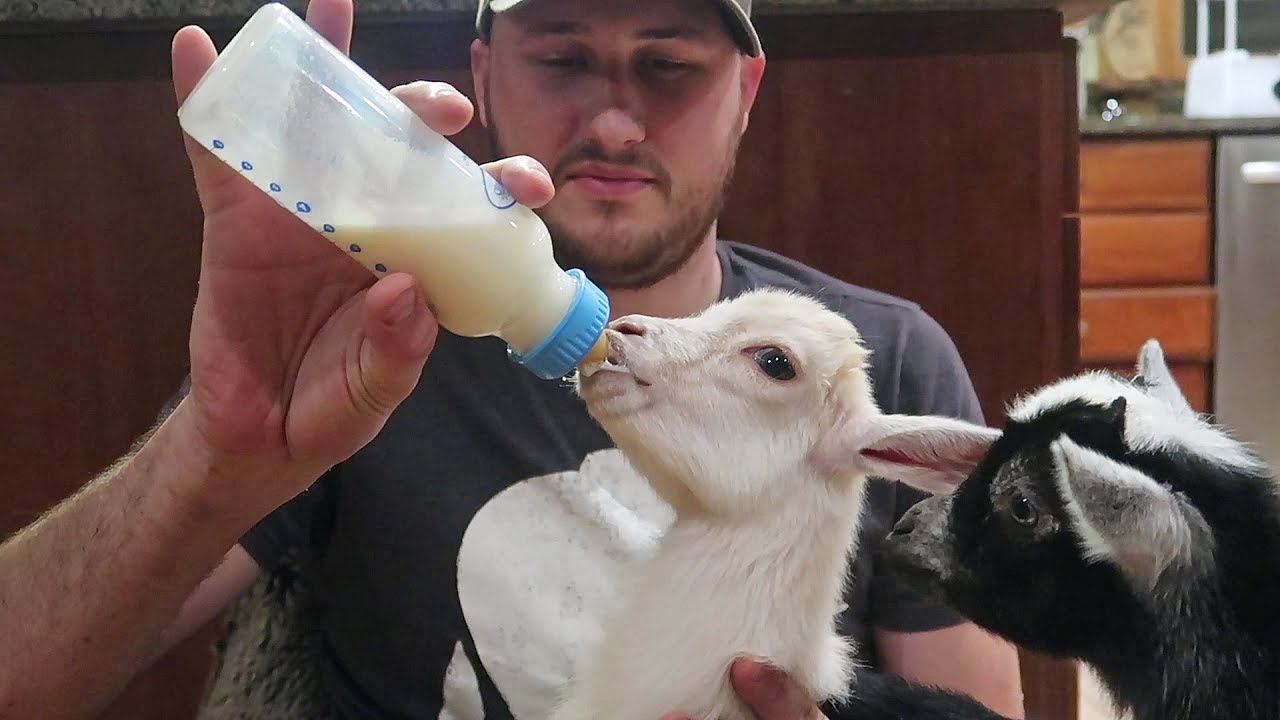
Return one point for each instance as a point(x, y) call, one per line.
point(87, 591)
point(962, 657)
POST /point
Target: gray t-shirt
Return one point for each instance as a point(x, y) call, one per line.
point(466, 551)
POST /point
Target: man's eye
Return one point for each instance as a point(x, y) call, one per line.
point(667, 66)
point(560, 61)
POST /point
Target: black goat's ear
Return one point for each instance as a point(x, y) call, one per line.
point(1121, 515)
point(1114, 414)
point(1113, 418)
point(928, 452)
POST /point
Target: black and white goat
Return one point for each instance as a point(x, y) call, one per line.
point(1109, 523)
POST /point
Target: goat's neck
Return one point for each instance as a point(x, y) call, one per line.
point(793, 556)
point(1181, 669)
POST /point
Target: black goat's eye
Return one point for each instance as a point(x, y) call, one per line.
point(775, 363)
point(1023, 511)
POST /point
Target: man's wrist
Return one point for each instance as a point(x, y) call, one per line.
point(197, 485)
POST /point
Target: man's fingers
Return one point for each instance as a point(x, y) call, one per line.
point(769, 692)
point(333, 20)
point(448, 111)
point(440, 106)
point(192, 53)
point(525, 178)
point(400, 332)
point(397, 317)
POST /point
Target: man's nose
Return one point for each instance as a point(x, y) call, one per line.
point(616, 129)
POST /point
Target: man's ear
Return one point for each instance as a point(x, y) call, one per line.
point(752, 73)
point(932, 453)
point(480, 78)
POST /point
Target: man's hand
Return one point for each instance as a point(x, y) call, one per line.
point(768, 691)
point(298, 355)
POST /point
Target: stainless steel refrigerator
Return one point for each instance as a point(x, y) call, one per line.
point(1247, 267)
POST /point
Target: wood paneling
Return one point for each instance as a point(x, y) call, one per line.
point(99, 245)
point(1115, 323)
point(885, 149)
point(1147, 175)
point(1145, 249)
point(894, 177)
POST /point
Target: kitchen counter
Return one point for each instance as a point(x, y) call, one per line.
point(1167, 124)
point(20, 14)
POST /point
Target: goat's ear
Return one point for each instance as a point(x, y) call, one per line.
point(1122, 515)
point(1154, 375)
point(928, 452)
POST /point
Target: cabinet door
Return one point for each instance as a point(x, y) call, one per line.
point(1145, 248)
point(1127, 175)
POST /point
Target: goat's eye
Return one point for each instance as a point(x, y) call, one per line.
point(1023, 511)
point(775, 363)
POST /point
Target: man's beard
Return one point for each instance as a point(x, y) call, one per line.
point(649, 258)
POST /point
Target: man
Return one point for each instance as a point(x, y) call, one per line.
point(470, 519)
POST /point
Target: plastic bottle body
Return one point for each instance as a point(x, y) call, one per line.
point(308, 127)
point(479, 279)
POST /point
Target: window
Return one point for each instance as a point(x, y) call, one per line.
point(1259, 22)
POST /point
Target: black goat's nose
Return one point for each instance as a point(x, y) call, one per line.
point(627, 327)
point(907, 524)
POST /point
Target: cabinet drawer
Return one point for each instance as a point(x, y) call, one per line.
point(1145, 249)
point(1193, 379)
point(1115, 322)
point(1144, 175)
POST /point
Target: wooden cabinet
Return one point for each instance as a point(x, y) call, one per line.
point(1146, 256)
point(1145, 249)
point(1135, 175)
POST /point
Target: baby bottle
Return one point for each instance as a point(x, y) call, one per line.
point(307, 126)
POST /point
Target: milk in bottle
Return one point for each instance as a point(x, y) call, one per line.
point(307, 126)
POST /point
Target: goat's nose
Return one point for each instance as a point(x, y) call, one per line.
point(628, 327)
point(908, 522)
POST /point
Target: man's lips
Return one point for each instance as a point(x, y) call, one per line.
point(608, 181)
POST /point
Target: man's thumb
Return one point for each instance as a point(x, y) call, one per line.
point(768, 691)
point(399, 333)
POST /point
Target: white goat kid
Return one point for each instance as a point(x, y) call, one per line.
point(748, 419)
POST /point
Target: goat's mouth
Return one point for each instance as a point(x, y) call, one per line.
point(614, 366)
point(615, 361)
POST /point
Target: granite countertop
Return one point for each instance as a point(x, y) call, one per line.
point(55, 11)
point(1135, 125)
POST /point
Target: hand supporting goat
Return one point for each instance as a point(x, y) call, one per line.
point(768, 691)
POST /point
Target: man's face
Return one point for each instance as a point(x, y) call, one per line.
point(635, 108)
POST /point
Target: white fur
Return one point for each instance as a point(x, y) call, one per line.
point(1152, 424)
point(756, 560)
